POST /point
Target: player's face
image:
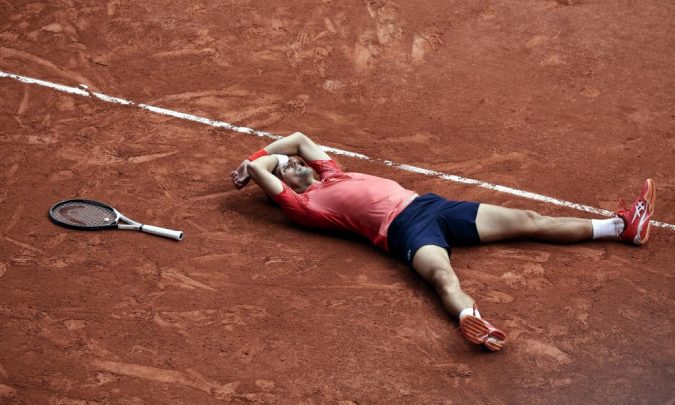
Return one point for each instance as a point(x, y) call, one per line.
point(297, 174)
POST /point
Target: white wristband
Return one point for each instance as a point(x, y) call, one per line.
point(283, 160)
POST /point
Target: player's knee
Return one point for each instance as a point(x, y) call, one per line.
point(532, 219)
point(442, 278)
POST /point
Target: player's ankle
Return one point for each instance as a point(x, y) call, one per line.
point(469, 311)
point(607, 228)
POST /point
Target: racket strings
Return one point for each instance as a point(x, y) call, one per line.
point(84, 214)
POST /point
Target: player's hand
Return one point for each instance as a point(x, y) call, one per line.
point(240, 177)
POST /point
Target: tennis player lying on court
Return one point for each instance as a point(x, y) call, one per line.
point(420, 230)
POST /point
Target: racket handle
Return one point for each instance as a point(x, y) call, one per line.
point(167, 233)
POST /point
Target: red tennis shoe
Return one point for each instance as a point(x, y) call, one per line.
point(481, 332)
point(636, 220)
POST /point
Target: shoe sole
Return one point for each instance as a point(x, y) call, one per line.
point(650, 198)
point(476, 331)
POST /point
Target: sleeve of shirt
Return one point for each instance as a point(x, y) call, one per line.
point(325, 168)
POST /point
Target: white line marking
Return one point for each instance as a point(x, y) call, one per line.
point(24, 79)
point(82, 91)
point(113, 100)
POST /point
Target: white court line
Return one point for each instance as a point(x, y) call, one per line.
point(83, 91)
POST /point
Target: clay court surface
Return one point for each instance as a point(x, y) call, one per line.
point(570, 99)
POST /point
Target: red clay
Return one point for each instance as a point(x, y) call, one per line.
point(571, 99)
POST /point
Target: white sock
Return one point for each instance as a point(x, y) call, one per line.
point(468, 311)
point(607, 228)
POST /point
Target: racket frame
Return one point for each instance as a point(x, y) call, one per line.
point(113, 224)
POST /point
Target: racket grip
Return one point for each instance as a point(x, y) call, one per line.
point(167, 233)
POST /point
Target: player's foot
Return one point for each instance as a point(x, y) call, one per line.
point(481, 332)
point(636, 219)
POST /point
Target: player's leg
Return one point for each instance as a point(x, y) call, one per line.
point(433, 264)
point(631, 224)
point(496, 223)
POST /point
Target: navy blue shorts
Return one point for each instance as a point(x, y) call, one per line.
point(432, 220)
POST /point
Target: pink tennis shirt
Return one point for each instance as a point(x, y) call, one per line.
point(346, 201)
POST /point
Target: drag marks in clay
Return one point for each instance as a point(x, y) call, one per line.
point(5, 390)
point(389, 41)
point(70, 335)
point(528, 272)
point(190, 378)
point(27, 247)
point(549, 346)
point(325, 39)
point(458, 373)
point(423, 43)
point(545, 353)
point(235, 104)
point(23, 106)
point(171, 277)
point(590, 92)
point(236, 316)
point(12, 221)
point(497, 297)
point(98, 378)
point(9, 53)
point(538, 346)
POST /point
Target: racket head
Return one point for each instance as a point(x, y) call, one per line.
point(84, 214)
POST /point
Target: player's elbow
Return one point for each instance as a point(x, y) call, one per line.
point(301, 138)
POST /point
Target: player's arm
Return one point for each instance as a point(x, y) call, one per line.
point(297, 144)
point(294, 144)
point(261, 171)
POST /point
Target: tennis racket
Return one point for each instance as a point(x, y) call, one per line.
point(93, 215)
